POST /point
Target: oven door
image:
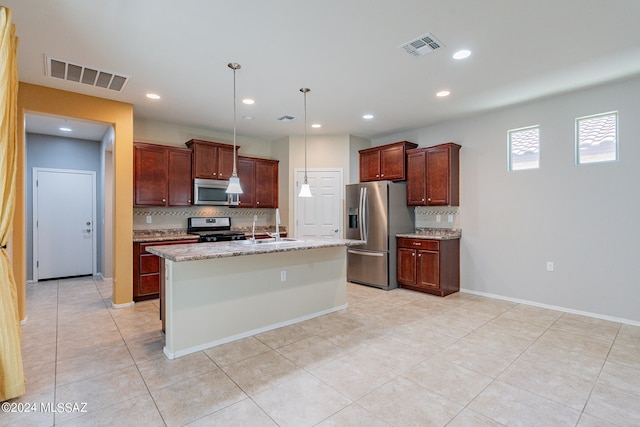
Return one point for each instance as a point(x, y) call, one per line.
point(211, 192)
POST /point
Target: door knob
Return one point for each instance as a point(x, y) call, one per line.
point(88, 230)
point(88, 222)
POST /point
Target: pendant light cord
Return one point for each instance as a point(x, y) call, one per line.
point(304, 90)
point(234, 66)
point(235, 172)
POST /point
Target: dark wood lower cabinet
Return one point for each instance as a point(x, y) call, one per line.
point(146, 269)
point(431, 266)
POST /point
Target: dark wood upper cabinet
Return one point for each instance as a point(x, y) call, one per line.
point(247, 175)
point(162, 175)
point(179, 180)
point(386, 162)
point(433, 175)
point(259, 181)
point(211, 160)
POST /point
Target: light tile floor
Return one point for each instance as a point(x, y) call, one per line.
point(397, 358)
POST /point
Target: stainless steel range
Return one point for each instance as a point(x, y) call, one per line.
point(213, 229)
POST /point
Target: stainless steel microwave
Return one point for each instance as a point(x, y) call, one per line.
point(212, 192)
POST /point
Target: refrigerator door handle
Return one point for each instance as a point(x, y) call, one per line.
point(352, 251)
point(363, 214)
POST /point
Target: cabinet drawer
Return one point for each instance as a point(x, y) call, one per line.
point(149, 263)
point(149, 284)
point(433, 245)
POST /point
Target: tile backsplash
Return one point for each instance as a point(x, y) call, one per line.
point(437, 217)
point(176, 218)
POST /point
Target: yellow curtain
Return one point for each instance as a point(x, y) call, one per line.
point(11, 371)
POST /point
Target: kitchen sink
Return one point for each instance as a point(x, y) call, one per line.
point(267, 241)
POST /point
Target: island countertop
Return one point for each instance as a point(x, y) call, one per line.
point(200, 251)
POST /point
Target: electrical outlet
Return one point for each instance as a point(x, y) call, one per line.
point(450, 218)
point(438, 218)
point(283, 275)
point(550, 266)
point(149, 219)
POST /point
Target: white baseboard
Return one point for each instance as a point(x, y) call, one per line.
point(125, 305)
point(553, 307)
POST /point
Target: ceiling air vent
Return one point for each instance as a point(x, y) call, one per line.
point(65, 70)
point(286, 118)
point(422, 45)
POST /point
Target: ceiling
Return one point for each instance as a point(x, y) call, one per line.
point(346, 51)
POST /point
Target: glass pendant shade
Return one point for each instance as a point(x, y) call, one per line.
point(305, 191)
point(234, 186)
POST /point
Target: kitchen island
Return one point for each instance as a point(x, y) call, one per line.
point(214, 293)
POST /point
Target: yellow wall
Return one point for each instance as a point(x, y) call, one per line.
point(43, 100)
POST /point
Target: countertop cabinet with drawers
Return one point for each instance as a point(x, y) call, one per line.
point(146, 269)
point(431, 266)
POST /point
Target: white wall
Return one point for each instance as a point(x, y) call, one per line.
point(583, 218)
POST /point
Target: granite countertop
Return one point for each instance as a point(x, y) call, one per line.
point(433, 234)
point(200, 251)
point(143, 236)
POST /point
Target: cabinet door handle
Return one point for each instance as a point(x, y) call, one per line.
point(423, 199)
point(381, 174)
point(164, 200)
point(429, 199)
point(413, 254)
point(419, 255)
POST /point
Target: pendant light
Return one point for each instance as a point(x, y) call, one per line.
point(234, 181)
point(305, 191)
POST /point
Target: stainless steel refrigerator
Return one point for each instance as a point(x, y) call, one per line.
point(376, 212)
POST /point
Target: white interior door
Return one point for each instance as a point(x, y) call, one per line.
point(64, 242)
point(320, 215)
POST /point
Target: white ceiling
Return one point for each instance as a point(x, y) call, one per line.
point(346, 51)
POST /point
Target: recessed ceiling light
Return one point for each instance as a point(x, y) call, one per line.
point(248, 101)
point(367, 116)
point(153, 96)
point(316, 125)
point(462, 54)
point(247, 117)
point(443, 93)
point(65, 129)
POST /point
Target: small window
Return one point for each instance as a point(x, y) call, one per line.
point(524, 148)
point(597, 138)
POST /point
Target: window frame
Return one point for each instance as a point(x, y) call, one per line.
point(510, 132)
point(577, 138)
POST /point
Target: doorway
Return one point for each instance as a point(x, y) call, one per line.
point(320, 215)
point(64, 218)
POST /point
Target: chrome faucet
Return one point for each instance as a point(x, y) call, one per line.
point(276, 235)
point(253, 229)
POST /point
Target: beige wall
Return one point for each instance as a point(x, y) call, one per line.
point(581, 217)
point(43, 100)
point(329, 151)
point(172, 134)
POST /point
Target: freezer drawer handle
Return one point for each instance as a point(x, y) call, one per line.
point(351, 251)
